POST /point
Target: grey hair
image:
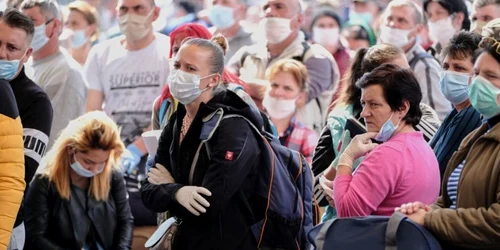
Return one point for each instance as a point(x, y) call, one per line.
point(418, 15)
point(48, 8)
point(217, 58)
point(483, 3)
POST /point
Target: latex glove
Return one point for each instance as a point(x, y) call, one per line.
point(160, 175)
point(131, 159)
point(190, 198)
point(360, 145)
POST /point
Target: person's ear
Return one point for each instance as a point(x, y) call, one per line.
point(301, 100)
point(240, 12)
point(214, 81)
point(91, 30)
point(299, 20)
point(27, 56)
point(156, 13)
point(56, 28)
point(403, 110)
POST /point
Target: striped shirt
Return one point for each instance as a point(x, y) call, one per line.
point(454, 129)
point(452, 186)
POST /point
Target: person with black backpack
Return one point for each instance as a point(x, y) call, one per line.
point(213, 187)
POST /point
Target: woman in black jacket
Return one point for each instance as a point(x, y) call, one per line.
point(80, 201)
point(213, 190)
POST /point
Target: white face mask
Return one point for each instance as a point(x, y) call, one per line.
point(326, 37)
point(276, 29)
point(135, 27)
point(393, 36)
point(185, 87)
point(279, 108)
point(442, 31)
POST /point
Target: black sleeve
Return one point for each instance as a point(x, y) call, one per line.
point(324, 153)
point(225, 176)
point(124, 225)
point(160, 198)
point(37, 212)
point(37, 122)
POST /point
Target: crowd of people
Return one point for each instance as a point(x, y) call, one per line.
point(81, 81)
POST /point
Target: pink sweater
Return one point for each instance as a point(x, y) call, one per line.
point(401, 170)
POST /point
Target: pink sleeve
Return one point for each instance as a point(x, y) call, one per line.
point(361, 194)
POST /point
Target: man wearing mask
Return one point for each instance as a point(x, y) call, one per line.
point(35, 109)
point(284, 40)
point(483, 11)
point(126, 74)
point(366, 10)
point(55, 70)
point(226, 15)
point(403, 21)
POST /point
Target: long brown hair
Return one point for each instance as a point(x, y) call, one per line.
point(94, 130)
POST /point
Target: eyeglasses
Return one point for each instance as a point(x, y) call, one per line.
point(490, 42)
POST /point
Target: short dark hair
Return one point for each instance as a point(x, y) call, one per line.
point(399, 85)
point(463, 45)
point(483, 3)
point(15, 19)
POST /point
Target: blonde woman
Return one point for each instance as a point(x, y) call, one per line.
point(80, 200)
point(83, 22)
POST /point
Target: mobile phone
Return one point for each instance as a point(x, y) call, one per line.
point(355, 127)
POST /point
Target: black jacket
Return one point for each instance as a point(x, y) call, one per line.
point(35, 111)
point(226, 224)
point(53, 223)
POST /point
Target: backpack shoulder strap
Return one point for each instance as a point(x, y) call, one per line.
point(301, 57)
point(418, 57)
point(163, 111)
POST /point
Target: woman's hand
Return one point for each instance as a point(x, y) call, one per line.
point(418, 217)
point(360, 145)
point(413, 207)
point(160, 175)
point(327, 186)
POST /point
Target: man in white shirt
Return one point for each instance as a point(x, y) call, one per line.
point(402, 22)
point(126, 74)
point(226, 15)
point(55, 70)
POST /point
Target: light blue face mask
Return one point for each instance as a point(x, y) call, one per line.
point(454, 86)
point(39, 38)
point(483, 97)
point(387, 130)
point(221, 17)
point(365, 16)
point(81, 171)
point(8, 69)
point(78, 39)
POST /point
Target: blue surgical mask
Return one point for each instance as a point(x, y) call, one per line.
point(81, 171)
point(8, 69)
point(78, 39)
point(39, 38)
point(365, 16)
point(221, 17)
point(185, 87)
point(454, 86)
point(483, 97)
point(387, 130)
